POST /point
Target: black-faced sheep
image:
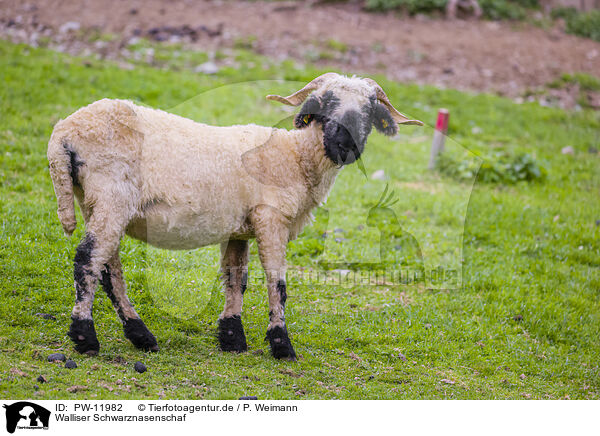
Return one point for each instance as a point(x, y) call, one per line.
point(179, 184)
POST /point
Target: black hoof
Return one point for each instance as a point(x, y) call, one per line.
point(281, 347)
point(231, 335)
point(139, 335)
point(83, 334)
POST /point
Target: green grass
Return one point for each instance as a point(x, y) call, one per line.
point(492, 9)
point(585, 24)
point(524, 324)
point(588, 85)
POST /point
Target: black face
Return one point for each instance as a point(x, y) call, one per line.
point(345, 137)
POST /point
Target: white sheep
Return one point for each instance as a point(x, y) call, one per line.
point(179, 184)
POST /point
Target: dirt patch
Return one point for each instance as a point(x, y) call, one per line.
point(504, 58)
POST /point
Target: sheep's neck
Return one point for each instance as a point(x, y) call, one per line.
point(318, 170)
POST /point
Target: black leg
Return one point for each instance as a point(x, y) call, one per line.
point(82, 331)
point(134, 328)
point(231, 334)
point(234, 270)
point(281, 346)
point(277, 334)
point(272, 235)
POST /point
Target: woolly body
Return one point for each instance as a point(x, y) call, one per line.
point(189, 184)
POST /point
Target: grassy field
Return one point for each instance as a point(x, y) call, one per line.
point(522, 321)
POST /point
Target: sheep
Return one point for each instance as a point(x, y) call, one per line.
point(178, 184)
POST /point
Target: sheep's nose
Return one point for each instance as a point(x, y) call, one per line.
point(344, 136)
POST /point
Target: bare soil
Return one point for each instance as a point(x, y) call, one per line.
point(500, 57)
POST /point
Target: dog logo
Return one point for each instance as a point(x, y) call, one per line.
point(26, 415)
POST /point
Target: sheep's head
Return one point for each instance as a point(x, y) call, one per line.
point(346, 108)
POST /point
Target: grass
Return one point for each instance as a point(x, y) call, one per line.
point(587, 84)
point(585, 24)
point(523, 322)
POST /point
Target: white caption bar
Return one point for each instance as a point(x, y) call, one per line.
point(294, 417)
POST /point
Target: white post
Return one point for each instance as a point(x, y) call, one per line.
point(439, 136)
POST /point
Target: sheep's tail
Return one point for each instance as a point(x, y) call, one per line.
point(60, 172)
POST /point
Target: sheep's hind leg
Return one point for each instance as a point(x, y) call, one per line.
point(104, 228)
point(114, 286)
point(234, 270)
point(82, 330)
point(272, 236)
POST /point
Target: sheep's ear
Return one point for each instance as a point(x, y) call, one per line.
point(299, 96)
point(303, 120)
point(310, 108)
point(383, 120)
point(398, 117)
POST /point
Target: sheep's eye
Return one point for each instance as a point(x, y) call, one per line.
point(306, 119)
point(384, 123)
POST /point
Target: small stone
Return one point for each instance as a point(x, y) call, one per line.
point(342, 272)
point(139, 367)
point(378, 175)
point(70, 364)
point(42, 379)
point(45, 315)
point(69, 26)
point(76, 388)
point(54, 357)
point(249, 397)
point(135, 39)
point(567, 150)
point(17, 371)
point(207, 68)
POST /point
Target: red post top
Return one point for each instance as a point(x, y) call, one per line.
point(442, 120)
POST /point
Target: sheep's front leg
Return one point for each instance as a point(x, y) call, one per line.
point(234, 270)
point(272, 235)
